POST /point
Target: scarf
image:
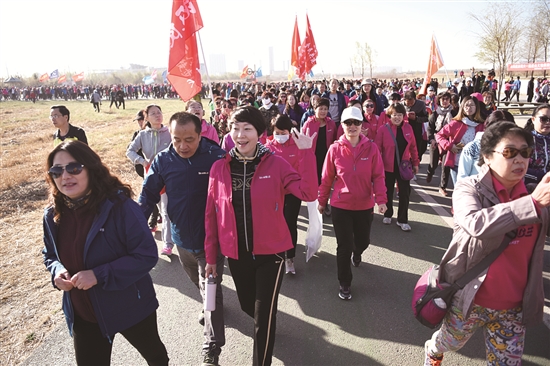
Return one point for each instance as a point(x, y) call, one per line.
point(76, 203)
point(443, 117)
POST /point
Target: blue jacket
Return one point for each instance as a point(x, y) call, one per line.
point(341, 102)
point(186, 182)
point(121, 251)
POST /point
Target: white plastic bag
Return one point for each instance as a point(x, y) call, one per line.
point(314, 235)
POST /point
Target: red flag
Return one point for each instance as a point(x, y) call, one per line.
point(78, 77)
point(434, 64)
point(44, 77)
point(62, 79)
point(244, 73)
point(183, 64)
point(295, 52)
point(308, 52)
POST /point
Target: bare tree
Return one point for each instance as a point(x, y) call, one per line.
point(351, 61)
point(364, 58)
point(499, 36)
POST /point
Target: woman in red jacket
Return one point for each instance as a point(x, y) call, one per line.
point(252, 179)
point(355, 167)
point(401, 132)
point(285, 147)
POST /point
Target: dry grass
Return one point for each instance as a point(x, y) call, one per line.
point(29, 306)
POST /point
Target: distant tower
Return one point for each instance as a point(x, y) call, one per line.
point(217, 64)
point(271, 60)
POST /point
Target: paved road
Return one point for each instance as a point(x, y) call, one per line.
point(315, 327)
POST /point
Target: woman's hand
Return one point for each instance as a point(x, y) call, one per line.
point(541, 194)
point(415, 170)
point(84, 280)
point(63, 281)
point(455, 149)
point(321, 209)
point(382, 208)
point(303, 141)
point(210, 269)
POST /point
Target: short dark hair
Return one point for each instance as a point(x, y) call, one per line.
point(496, 132)
point(410, 94)
point(183, 118)
point(321, 102)
point(101, 182)
point(63, 110)
point(396, 108)
point(250, 115)
point(282, 122)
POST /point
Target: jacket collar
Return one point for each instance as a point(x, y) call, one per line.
point(484, 183)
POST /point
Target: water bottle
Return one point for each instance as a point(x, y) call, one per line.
point(210, 294)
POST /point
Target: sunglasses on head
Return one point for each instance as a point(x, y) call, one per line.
point(511, 152)
point(544, 119)
point(369, 105)
point(354, 122)
point(71, 168)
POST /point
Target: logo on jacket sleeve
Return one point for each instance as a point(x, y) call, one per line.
point(204, 173)
point(265, 177)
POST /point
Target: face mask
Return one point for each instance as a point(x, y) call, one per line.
point(266, 101)
point(281, 138)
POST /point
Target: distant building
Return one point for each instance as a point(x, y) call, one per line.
point(271, 60)
point(217, 64)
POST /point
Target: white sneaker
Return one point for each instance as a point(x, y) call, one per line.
point(289, 264)
point(404, 227)
point(386, 220)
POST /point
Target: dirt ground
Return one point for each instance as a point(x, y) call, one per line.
point(29, 306)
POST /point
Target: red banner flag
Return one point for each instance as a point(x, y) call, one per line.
point(78, 77)
point(244, 73)
point(183, 64)
point(62, 79)
point(295, 52)
point(308, 52)
point(44, 77)
point(435, 63)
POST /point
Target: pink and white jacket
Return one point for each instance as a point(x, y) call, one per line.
point(451, 134)
point(273, 179)
point(313, 125)
point(357, 174)
point(385, 143)
point(288, 151)
point(370, 123)
point(208, 131)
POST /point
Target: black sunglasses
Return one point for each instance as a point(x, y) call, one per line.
point(511, 152)
point(350, 122)
point(71, 168)
point(544, 119)
point(369, 105)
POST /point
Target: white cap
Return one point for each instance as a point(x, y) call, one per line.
point(351, 113)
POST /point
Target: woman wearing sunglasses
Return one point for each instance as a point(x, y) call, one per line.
point(354, 165)
point(508, 295)
point(99, 252)
point(152, 140)
point(539, 126)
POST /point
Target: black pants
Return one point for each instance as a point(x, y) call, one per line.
point(352, 230)
point(113, 101)
point(91, 348)
point(291, 212)
point(434, 162)
point(258, 281)
point(96, 107)
point(404, 196)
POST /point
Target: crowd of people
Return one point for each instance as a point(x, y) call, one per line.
point(229, 190)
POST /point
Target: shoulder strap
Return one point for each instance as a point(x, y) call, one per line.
point(485, 262)
point(395, 143)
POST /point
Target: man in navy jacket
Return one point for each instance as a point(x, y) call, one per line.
point(184, 169)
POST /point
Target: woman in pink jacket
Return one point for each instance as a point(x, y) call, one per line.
point(252, 179)
point(457, 133)
point(282, 145)
point(207, 130)
point(402, 132)
point(355, 167)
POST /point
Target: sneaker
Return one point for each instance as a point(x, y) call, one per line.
point(210, 358)
point(429, 177)
point(430, 360)
point(414, 177)
point(355, 260)
point(404, 227)
point(443, 192)
point(345, 293)
point(289, 264)
point(386, 220)
point(153, 228)
point(166, 251)
point(201, 318)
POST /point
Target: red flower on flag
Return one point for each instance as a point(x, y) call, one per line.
point(183, 63)
point(244, 73)
point(308, 52)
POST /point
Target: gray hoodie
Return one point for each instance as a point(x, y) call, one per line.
point(151, 142)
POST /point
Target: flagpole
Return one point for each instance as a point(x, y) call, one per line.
point(446, 71)
point(205, 67)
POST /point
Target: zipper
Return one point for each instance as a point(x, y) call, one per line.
point(244, 209)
